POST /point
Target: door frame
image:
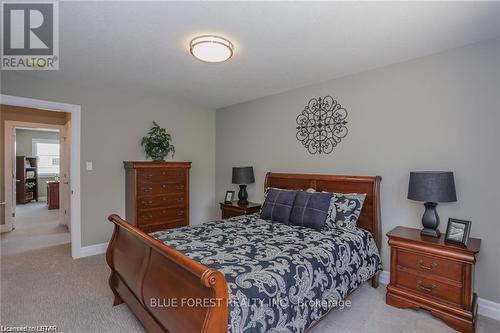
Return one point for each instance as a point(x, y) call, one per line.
point(75, 201)
point(10, 157)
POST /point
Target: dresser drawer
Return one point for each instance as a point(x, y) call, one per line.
point(161, 175)
point(148, 189)
point(431, 265)
point(167, 200)
point(163, 226)
point(160, 215)
point(430, 287)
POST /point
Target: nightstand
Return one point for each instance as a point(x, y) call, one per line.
point(428, 273)
point(233, 209)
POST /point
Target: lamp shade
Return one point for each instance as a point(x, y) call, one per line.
point(432, 186)
point(243, 175)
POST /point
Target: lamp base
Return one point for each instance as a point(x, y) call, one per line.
point(243, 195)
point(430, 220)
point(430, 232)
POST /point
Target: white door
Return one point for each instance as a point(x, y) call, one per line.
point(64, 174)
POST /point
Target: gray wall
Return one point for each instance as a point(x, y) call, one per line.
point(24, 146)
point(440, 112)
point(112, 125)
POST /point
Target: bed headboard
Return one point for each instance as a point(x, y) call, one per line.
point(370, 214)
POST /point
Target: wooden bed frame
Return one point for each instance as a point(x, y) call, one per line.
point(159, 283)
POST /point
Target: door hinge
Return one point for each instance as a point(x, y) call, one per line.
point(65, 212)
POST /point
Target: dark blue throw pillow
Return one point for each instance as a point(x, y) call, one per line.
point(311, 209)
point(278, 205)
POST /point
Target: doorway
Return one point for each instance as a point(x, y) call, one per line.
point(73, 146)
point(21, 109)
point(38, 157)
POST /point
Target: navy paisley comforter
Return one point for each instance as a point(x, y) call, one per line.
point(281, 278)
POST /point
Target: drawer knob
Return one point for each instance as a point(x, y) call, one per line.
point(148, 217)
point(424, 287)
point(147, 189)
point(164, 186)
point(147, 203)
point(420, 263)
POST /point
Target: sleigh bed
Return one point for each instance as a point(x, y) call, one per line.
point(190, 280)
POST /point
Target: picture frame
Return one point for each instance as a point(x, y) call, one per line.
point(457, 231)
point(228, 198)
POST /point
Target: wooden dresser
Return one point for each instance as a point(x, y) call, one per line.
point(53, 194)
point(157, 194)
point(428, 273)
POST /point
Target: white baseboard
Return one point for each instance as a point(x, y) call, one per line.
point(384, 277)
point(484, 307)
point(488, 308)
point(91, 250)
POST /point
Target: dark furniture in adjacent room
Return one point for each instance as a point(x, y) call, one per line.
point(26, 179)
point(53, 194)
point(234, 209)
point(157, 194)
point(427, 273)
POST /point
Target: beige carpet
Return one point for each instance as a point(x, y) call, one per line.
point(48, 287)
point(35, 214)
point(36, 227)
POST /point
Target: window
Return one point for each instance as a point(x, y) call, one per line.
point(47, 152)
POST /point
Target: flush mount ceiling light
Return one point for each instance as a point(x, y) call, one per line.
point(211, 48)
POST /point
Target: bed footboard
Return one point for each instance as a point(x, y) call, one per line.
point(166, 290)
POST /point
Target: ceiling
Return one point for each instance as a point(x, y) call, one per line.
point(278, 46)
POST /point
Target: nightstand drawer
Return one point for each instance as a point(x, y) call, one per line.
point(230, 209)
point(431, 265)
point(227, 213)
point(430, 287)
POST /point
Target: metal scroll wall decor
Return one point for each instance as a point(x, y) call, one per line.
point(322, 125)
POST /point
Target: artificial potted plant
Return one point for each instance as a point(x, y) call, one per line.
point(157, 144)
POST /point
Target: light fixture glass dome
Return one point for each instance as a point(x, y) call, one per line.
point(211, 49)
